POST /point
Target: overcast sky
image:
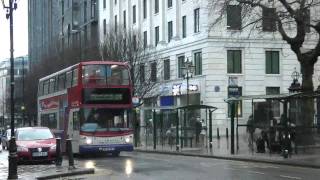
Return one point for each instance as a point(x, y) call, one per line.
point(20, 34)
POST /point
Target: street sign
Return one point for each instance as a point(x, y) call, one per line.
point(233, 91)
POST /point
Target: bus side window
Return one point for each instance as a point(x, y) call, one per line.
point(40, 89)
point(74, 77)
point(61, 81)
point(69, 79)
point(52, 85)
point(46, 87)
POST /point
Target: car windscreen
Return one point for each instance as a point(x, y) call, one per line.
point(34, 134)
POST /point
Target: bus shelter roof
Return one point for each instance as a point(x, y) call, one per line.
point(260, 97)
point(200, 106)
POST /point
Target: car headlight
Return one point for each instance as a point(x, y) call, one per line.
point(89, 140)
point(22, 149)
point(127, 140)
point(53, 148)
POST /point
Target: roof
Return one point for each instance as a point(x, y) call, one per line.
point(200, 106)
point(277, 96)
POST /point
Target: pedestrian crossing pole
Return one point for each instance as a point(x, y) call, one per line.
point(12, 172)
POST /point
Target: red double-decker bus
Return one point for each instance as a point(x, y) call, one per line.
point(89, 102)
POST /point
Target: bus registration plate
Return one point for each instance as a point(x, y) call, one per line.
point(106, 149)
point(39, 154)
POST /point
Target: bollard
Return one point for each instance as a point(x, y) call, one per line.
point(218, 135)
point(70, 153)
point(58, 152)
point(227, 133)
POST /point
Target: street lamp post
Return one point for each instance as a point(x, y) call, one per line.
point(187, 72)
point(12, 173)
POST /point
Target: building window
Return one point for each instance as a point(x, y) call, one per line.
point(134, 14)
point(234, 17)
point(268, 19)
point(104, 4)
point(115, 1)
point(145, 39)
point(93, 9)
point(234, 61)
point(272, 62)
point(166, 69)
point(115, 23)
point(141, 72)
point(157, 35)
point(181, 64)
point(156, 6)
point(197, 56)
point(169, 3)
point(153, 67)
point(238, 105)
point(144, 9)
point(62, 7)
point(124, 19)
point(169, 31)
point(184, 26)
point(85, 11)
point(275, 104)
point(196, 20)
point(104, 27)
point(134, 37)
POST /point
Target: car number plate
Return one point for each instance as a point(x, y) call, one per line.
point(39, 154)
point(106, 149)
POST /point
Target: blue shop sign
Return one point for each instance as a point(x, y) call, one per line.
point(166, 101)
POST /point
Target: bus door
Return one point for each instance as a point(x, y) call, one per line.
point(74, 129)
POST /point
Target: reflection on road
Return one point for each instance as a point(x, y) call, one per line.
point(128, 167)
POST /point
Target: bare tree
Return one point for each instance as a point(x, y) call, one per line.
point(60, 58)
point(128, 46)
point(292, 20)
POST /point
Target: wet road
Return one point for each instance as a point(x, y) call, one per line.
point(165, 167)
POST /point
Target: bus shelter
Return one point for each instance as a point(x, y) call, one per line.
point(274, 115)
point(192, 128)
point(168, 128)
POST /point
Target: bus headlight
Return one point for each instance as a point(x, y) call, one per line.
point(127, 140)
point(89, 140)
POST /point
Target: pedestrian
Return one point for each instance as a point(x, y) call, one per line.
point(198, 127)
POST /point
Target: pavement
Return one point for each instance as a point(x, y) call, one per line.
point(28, 171)
point(305, 157)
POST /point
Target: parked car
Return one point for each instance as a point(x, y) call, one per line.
point(35, 144)
point(5, 139)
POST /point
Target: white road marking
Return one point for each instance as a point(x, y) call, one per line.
point(256, 172)
point(289, 177)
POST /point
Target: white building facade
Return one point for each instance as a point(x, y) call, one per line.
point(260, 62)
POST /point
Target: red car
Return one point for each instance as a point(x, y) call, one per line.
point(35, 144)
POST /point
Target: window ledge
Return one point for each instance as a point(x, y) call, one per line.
point(235, 74)
point(234, 30)
point(273, 75)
